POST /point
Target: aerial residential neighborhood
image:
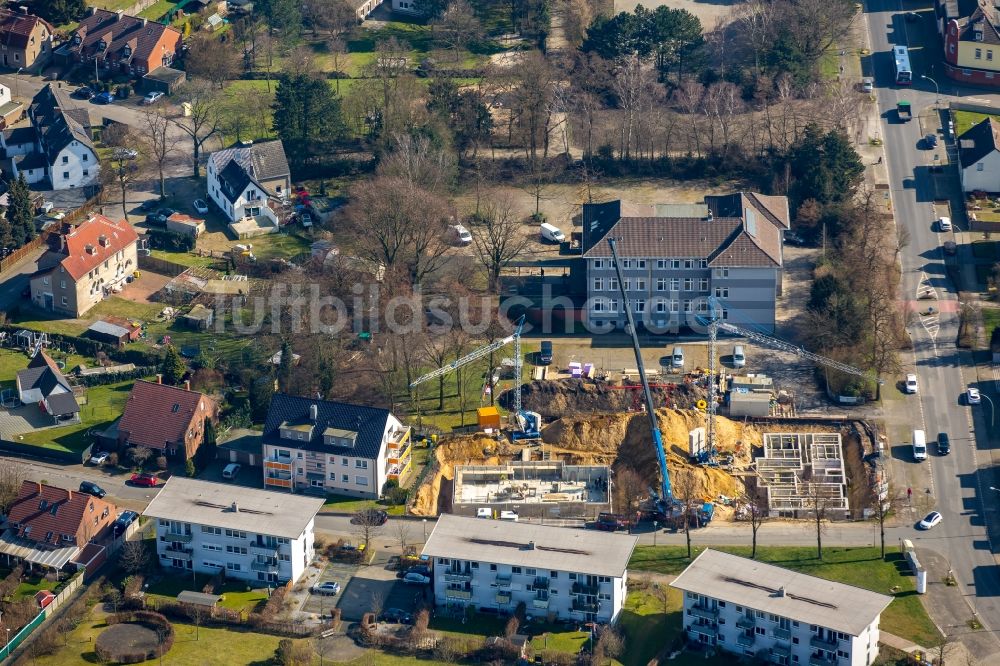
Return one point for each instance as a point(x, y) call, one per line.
point(461, 331)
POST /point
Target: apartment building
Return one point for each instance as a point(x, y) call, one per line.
point(255, 535)
point(117, 42)
point(675, 256)
point(783, 617)
point(97, 257)
point(971, 42)
point(323, 447)
point(561, 573)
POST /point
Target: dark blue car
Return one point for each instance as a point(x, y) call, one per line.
point(104, 98)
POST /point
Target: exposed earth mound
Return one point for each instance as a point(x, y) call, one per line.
point(556, 398)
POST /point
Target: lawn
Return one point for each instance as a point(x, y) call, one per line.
point(193, 646)
point(862, 567)
point(104, 405)
point(235, 593)
point(40, 320)
point(345, 504)
point(964, 120)
point(279, 246)
point(28, 589)
point(184, 258)
point(647, 627)
point(991, 319)
point(157, 9)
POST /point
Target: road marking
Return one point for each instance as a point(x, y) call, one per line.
point(925, 291)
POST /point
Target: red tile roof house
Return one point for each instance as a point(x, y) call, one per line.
point(49, 526)
point(25, 39)
point(126, 43)
point(169, 420)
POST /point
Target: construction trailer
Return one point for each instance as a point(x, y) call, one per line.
point(800, 471)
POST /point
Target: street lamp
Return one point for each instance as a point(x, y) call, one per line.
point(16, 80)
point(992, 408)
point(425, 530)
point(937, 90)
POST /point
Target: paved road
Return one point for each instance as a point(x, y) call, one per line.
point(951, 483)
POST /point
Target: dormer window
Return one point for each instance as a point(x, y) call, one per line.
point(127, 52)
point(43, 505)
point(979, 35)
point(102, 45)
point(77, 40)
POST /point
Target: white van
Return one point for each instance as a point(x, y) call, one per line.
point(677, 358)
point(230, 471)
point(508, 515)
point(551, 233)
point(461, 235)
point(739, 356)
point(919, 445)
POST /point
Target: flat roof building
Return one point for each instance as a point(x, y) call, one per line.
point(564, 573)
point(784, 617)
point(256, 535)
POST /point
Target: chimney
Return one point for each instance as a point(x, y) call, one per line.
point(69, 495)
point(709, 217)
point(187, 384)
point(144, 22)
point(313, 413)
point(119, 14)
point(103, 240)
point(159, 379)
point(236, 507)
point(531, 545)
point(92, 10)
point(89, 249)
point(39, 487)
point(780, 592)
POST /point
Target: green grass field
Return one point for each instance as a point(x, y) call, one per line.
point(862, 567)
point(184, 258)
point(104, 405)
point(964, 120)
point(991, 319)
point(29, 589)
point(344, 504)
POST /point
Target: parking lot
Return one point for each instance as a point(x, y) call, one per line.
point(338, 572)
point(364, 586)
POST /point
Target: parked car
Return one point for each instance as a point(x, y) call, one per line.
point(151, 98)
point(944, 224)
point(422, 569)
point(148, 205)
point(230, 471)
point(146, 480)
point(792, 238)
point(973, 396)
point(83, 92)
point(912, 17)
point(92, 488)
point(99, 457)
point(414, 578)
point(461, 235)
point(867, 84)
point(545, 352)
point(160, 216)
point(397, 615)
point(126, 154)
point(200, 206)
point(911, 383)
point(329, 587)
point(950, 248)
point(373, 517)
point(125, 518)
point(930, 140)
point(932, 519)
point(103, 98)
point(943, 444)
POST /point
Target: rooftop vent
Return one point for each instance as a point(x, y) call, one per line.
point(90, 249)
point(313, 412)
point(531, 545)
point(709, 217)
point(236, 507)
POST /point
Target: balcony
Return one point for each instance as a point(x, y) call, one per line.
point(589, 590)
point(585, 607)
point(503, 580)
point(704, 628)
point(540, 603)
point(263, 549)
point(828, 644)
point(704, 612)
point(746, 640)
point(277, 481)
point(540, 583)
point(177, 553)
point(503, 597)
point(746, 622)
point(267, 567)
point(177, 536)
point(783, 634)
point(457, 576)
point(458, 594)
point(779, 651)
point(278, 462)
point(816, 660)
point(399, 439)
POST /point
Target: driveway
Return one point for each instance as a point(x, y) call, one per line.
point(21, 420)
point(319, 604)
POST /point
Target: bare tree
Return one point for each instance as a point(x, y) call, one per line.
point(458, 26)
point(377, 603)
point(157, 142)
point(203, 121)
point(756, 511)
point(817, 503)
point(122, 167)
point(134, 557)
point(401, 530)
point(212, 60)
point(883, 501)
point(367, 525)
point(337, 48)
point(497, 237)
point(13, 474)
point(139, 455)
point(686, 487)
point(628, 487)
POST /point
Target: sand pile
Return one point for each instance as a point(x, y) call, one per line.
point(476, 449)
point(556, 398)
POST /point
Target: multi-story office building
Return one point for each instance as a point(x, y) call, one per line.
point(323, 447)
point(781, 616)
point(675, 256)
point(255, 535)
point(562, 573)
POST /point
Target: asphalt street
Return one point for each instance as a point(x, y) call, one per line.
point(953, 483)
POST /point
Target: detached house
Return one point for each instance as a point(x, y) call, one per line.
point(971, 42)
point(56, 150)
point(49, 526)
point(979, 156)
point(676, 256)
point(249, 181)
point(333, 447)
point(25, 39)
point(44, 384)
point(98, 256)
point(169, 420)
point(122, 43)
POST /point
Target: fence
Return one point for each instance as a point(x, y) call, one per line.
point(72, 457)
point(72, 586)
point(161, 266)
point(19, 254)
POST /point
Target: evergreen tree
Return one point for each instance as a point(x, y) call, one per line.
point(285, 367)
point(59, 12)
point(172, 368)
point(261, 392)
point(6, 234)
point(307, 114)
point(19, 213)
point(284, 16)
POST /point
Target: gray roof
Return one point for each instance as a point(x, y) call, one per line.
point(368, 422)
point(257, 511)
point(198, 598)
point(56, 127)
point(555, 548)
point(20, 136)
point(106, 327)
point(744, 229)
point(43, 374)
point(242, 165)
point(62, 403)
point(978, 141)
point(808, 599)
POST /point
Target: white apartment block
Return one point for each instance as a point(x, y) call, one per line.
point(781, 616)
point(255, 535)
point(325, 447)
point(559, 573)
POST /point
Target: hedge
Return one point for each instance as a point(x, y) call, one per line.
point(124, 656)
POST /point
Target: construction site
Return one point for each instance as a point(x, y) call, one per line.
point(795, 463)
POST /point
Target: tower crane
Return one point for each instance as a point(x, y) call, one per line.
point(715, 322)
point(666, 495)
point(528, 423)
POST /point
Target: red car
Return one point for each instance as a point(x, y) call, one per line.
point(149, 480)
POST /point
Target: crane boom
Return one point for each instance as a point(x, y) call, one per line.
point(482, 352)
point(665, 492)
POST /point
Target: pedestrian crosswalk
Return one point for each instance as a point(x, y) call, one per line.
point(929, 315)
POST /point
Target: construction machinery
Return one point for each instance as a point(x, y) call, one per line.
point(527, 425)
point(715, 321)
point(665, 501)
